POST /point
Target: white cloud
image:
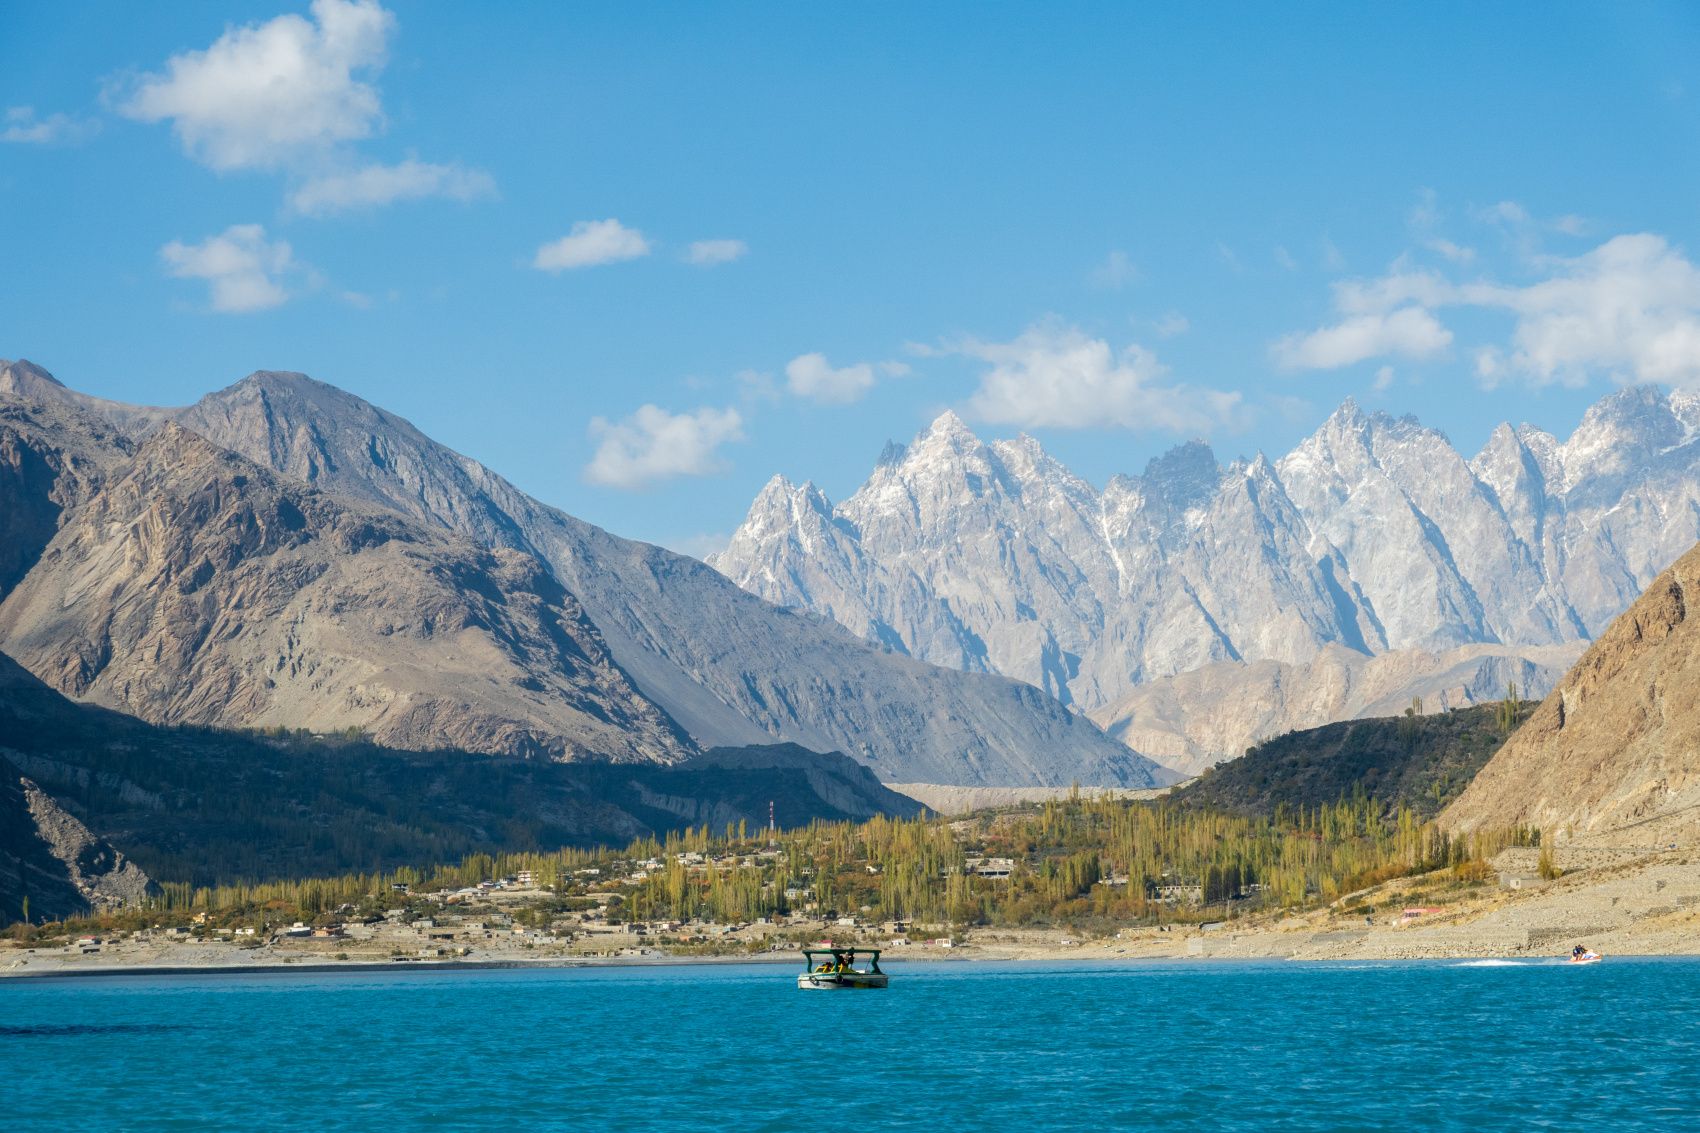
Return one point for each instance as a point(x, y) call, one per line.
point(1383, 379)
point(707, 253)
point(263, 96)
point(1409, 332)
point(20, 125)
point(1117, 270)
point(1628, 310)
point(375, 185)
point(1056, 375)
point(1285, 258)
point(241, 267)
point(592, 242)
point(810, 376)
point(654, 445)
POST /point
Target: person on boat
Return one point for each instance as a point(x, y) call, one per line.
point(1578, 952)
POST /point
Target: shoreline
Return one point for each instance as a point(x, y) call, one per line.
point(453, 967)
point(1616, 900)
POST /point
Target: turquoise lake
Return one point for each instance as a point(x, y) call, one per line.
point(1174, 1045)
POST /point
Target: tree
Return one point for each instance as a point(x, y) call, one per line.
point(1509, 709)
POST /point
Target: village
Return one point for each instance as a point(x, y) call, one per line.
point(578, 915)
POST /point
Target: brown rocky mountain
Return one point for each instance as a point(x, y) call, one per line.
point(197, 588)
point(1614, 752)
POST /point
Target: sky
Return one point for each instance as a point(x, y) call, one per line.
point(640, 258)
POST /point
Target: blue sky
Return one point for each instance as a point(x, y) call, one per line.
point(640, 258)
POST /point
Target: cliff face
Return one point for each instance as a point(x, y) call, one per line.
point(52, 456)
point(197, 588)
point(1614, 751)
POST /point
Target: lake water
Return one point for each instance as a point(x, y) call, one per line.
point(950, 1046)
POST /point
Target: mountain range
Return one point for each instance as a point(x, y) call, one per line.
point(1197, 607)
point(284, 554)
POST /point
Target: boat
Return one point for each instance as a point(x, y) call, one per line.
point(1589, 957)
point(834, 969)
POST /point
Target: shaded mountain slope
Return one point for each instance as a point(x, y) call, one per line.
point(209, 806)
point(1614, 751)
point(1420, 762)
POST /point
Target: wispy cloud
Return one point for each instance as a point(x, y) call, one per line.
point(1457, 253)
point(21, 126)
point(700, 546)
point(243, 270)
point(1172, 325)
point(376, 185)
point(1117, 270)
point(653, 445)
point(590, 243)
point(708, 253)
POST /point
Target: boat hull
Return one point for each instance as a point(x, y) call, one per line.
point(839, 981)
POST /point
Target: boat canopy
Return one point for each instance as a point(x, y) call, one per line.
point(843, 956)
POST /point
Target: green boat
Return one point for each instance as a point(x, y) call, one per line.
point(834, 969)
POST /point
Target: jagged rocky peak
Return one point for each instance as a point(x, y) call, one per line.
point(1186, 476)
point(1620, 431)
point(947, 430)
point(1374, 531)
